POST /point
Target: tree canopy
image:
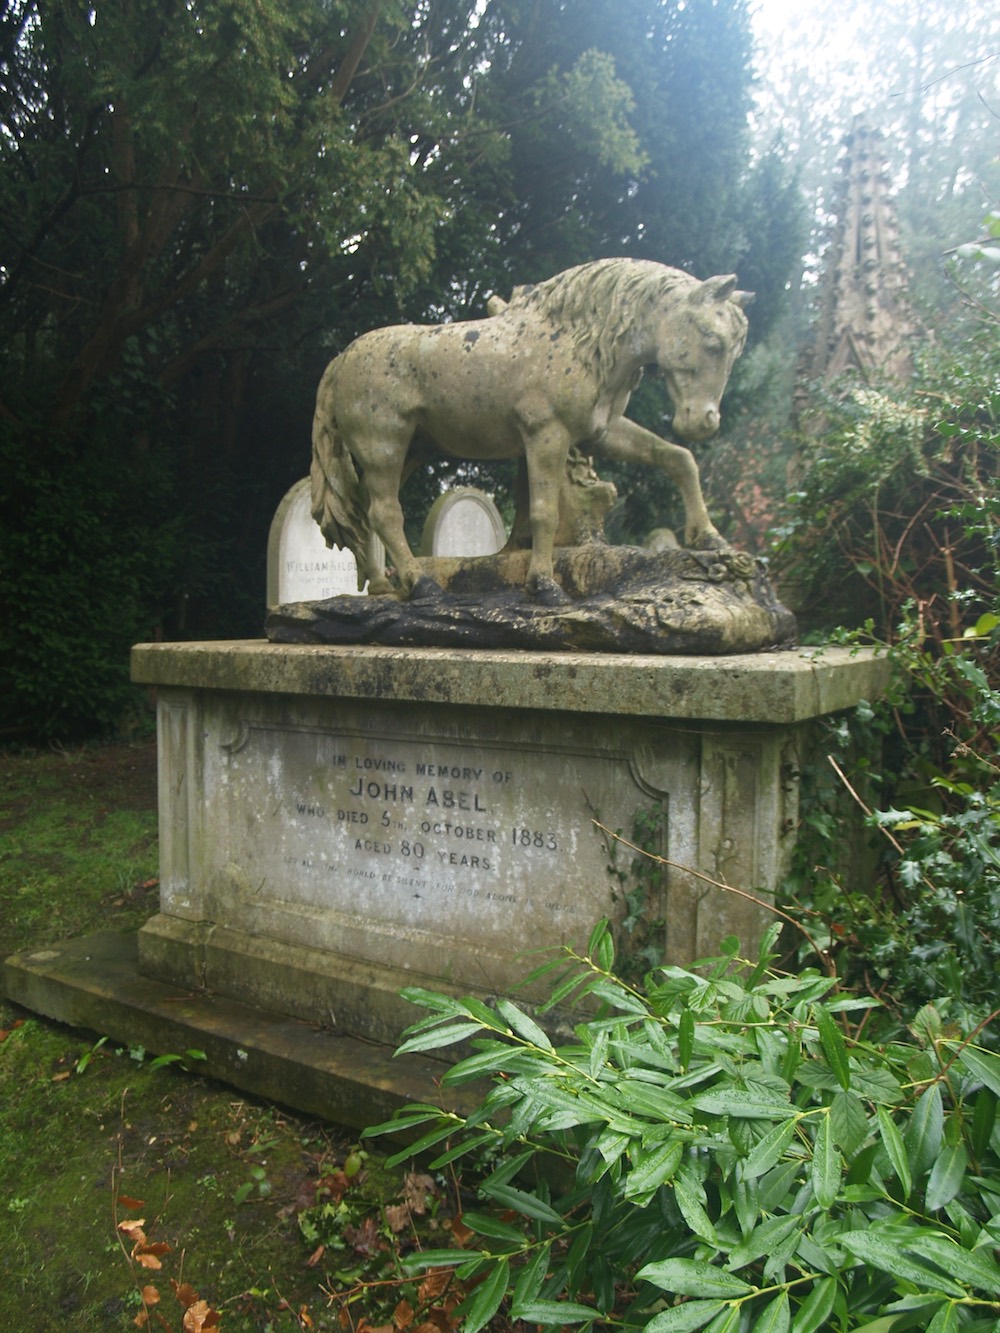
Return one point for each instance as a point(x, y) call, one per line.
point(202, 201)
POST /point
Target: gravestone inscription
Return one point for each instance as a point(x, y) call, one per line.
point(300, 565)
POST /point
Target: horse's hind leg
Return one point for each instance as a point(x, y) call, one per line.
point(630, 443)
point(545, 455)
point(383, 469)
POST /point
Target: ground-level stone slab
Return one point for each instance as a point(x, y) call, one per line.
point(95, 983)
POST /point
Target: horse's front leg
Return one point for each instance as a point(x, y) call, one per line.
point(630, 443)
point(546, 449)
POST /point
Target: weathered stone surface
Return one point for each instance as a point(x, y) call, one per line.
point(339, 823)
point(550, 372)
point(773, 688)
point(95, 983)
point(618, 599)
point(461, 522)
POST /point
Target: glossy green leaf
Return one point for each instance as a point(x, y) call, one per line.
point(848, 1121)
point(485, 1301)
point(978, 1267)
point(741, 1102)
point(767, 1151)
point(556, 1312)
point(686, 1196)
point(484, 1224)
point(832, 1040)
point(982, 1065)
point(923, 1133)
point(654, 1170)
point(408, 1119)
point(726, 1321)
point(885, 1255)
point(421, 1145)
point(685, 1038)
point(421, 1259)
point(826, 1165)
point(776, 1317)
point(694, 1277)
point(523, 1024)
point(528, 1205)
point(946, 1176)
point(439, 1036)
point(530, 1278)
point(816, 1308)
point(946, 1319)
point(893, 1141)
point(763, 1239)
point(685, 1318)
point(984, 1117)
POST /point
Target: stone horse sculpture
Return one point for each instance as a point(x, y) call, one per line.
point(552, 369)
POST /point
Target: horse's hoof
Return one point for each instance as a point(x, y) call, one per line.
point(425, 589)
point(710, 541)
point(548, 593)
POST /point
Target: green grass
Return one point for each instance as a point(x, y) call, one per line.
point(222, 1179)
point(77, 843)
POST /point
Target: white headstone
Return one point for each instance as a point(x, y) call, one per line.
point(464, 521)
point(300, 565)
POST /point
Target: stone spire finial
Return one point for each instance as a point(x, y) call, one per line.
point(865, 321)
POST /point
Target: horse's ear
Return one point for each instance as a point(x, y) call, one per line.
point(743, 299)
point(719, 288)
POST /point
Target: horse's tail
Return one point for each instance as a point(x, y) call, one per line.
point(339, 500)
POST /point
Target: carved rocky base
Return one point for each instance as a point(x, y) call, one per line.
point(618, 599)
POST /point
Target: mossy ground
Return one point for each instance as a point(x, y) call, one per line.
point(85, 1126)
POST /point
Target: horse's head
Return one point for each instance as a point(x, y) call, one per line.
point(697, 343)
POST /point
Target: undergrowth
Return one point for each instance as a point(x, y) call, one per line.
point(724, 1149)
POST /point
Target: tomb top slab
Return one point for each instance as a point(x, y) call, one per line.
point(776, 687)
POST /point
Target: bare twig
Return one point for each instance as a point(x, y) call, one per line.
point(821, 954)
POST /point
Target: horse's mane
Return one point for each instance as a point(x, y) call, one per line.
point(597, 303)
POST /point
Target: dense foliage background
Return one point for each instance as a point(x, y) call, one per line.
point(201, 203)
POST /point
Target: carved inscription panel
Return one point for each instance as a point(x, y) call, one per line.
point(396, 836)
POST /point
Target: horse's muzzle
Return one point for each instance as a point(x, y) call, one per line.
point(696, 424)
